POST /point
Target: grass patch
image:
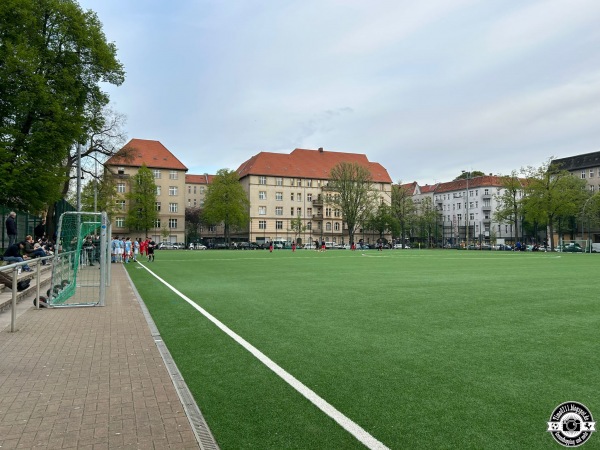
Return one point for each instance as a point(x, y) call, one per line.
point(429, 349)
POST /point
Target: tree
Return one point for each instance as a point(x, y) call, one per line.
point(53, 57)
point(226, 202)
point(428, 217)
point(297, 226)
point(403, 209)
point(510, 201)
point(469, 174)
point(354, 193)
point(142, 213)
point(100, 195)
point(380, 220)
point(552, 194)
point(194, 219)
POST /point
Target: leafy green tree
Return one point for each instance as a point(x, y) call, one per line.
point(510, 201)
point(142, 213)
point(403, 209)
point(428, 217)
point(194, 219)
point(226, 202)
point(53, 58)
point(551, 194)
point(381, 220)
point(354, 195)
point(101, 194)
point(469, 174)
point(297, 227)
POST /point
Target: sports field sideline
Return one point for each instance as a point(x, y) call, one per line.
point(415, 349)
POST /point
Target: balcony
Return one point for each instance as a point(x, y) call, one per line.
point(317, 216)
point(317, 201)
point(486, 207)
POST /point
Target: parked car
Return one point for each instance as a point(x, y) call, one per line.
point(247, 245)
point(197, 246)
point(399, 246)
point(167, 246)
point(309, 246)
point(572, 247)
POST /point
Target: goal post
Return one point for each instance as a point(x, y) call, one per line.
point(574, 245)
point(80, 272)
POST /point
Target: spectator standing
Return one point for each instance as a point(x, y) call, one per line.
point(11, 228)
point(150, 250)
point(40, 230)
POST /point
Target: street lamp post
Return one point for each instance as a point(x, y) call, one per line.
point(467, 205)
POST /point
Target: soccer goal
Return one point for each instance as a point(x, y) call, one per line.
point(80, 272)
point(574, 245)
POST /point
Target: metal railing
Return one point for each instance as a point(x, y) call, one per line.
point(16, 268)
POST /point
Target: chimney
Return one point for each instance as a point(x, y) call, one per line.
point(320, 149)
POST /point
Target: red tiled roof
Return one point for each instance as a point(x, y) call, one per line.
point(199, 179)
point(142, 151)
point(304, 163)
point(428, 188)
point(458, 185)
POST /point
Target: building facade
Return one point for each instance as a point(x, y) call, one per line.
point(289, 196)
point(587, 167)
point(169, 177)
point(466, 209)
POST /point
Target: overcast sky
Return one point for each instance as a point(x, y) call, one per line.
point(426, 88)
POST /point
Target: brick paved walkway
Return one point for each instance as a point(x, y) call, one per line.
point(89, 378)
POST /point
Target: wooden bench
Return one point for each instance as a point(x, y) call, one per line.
point(6, 280)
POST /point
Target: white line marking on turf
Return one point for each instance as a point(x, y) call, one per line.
point(354, 429)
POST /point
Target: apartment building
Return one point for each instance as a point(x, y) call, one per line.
point(466, 209)
point(196, 187)
point(169, 177)
point(289, 195)
point(587, 167)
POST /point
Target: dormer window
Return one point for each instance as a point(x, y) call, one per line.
point(121, 170)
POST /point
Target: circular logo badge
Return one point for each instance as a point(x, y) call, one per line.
point(571, 424)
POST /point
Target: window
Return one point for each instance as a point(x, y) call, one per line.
point(262, 210)
point(156, 173)
point(194, 189)
point(337, 213)
point(202, 189)
point(279, 196)
point(262, 195)
point(120, 222)
point(308, 183)
point(121, 170)
point(309, 197)
point(190, 202)
point(292, 181)
point(157, 223)
point(262, 180)
point(157, 206)
point(299, 196)
point(190, 189)
point(291, 196)
point(309, 225)
point(336, 226)
point(309, 212)
point(299, 182)
point(172, 190)
point(279, 210)
point(157, 190)
point(173, 207)
point(262, 224)
point(173, 175)
point(292, 211)
point(172, 223)
point(328, 226)
point(279, 181)
point(212, 228)
point(591, 188)
point(121, 205)
point(327, 212)
point(471, 216)
point(195, 203)
point(591, 173)
point(583, 174)
point(459, 217)
point(299, 212)
point(279, 224)
point(121, 188)
point(486, 192)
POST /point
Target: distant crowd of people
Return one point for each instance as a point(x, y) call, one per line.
point(31, 247)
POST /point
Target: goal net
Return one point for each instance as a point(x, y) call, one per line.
point(574, 245)
point(79, 272)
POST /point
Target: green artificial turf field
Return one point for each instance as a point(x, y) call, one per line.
point(422, 349)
